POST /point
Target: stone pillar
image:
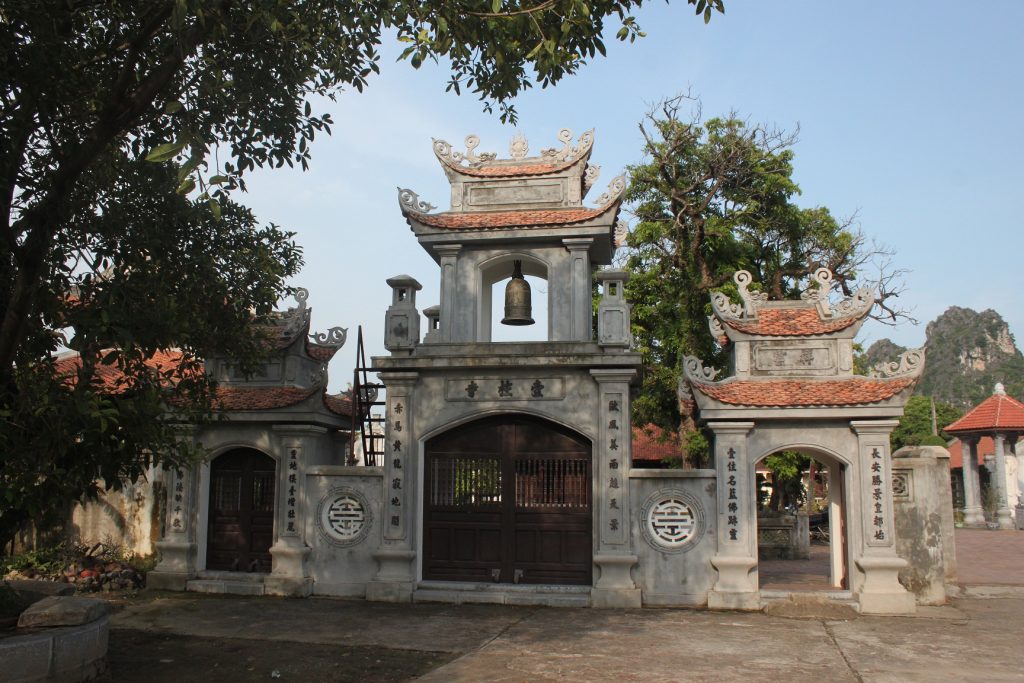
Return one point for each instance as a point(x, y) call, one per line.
point(1003, 517)
point(736, 560)
point(449, 291)
point(396, 579)
point(614, 556)
point(177, 547)
point(1019, 519)
point(880, 592)
point(974, 515)
point(289, 576)
point(402, 322)
point(581, 306)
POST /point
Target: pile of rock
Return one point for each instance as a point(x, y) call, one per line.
point(90, 575)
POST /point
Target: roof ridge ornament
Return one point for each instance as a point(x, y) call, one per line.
point(855, 304)
point(334, 337)
point(410, 201)
point(819, 286)
point(751, 300)
point(695, 371)
point(616, 188)
point(590, 176)
point(518, 147)
point(296, 318)
point(445, 153)
point(909, 364)
point(568, 152)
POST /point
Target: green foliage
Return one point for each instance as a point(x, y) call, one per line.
point(915, 427)
point(787, 471)
point(714, 196)
point(127, 126)
point(697, 449)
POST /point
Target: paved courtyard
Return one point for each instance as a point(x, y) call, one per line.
point(178, 637)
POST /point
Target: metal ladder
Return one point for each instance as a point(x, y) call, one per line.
point(366, 396)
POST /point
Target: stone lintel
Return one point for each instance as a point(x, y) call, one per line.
point(399, 379)
point(737, 428)
point(865, 427)
point(608, 375)
point(298, 430)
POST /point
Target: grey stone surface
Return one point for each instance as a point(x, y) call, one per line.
point(38, 590)
point(58, 610)
point(71, 653)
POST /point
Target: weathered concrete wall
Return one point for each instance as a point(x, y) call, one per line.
point(668, 572)
point(343, 540)
point(129, 517)
point(924, 521)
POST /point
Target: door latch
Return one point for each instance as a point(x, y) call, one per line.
point(516, 575)
point(496, 575)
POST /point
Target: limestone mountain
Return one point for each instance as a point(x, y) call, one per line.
point(968, 352)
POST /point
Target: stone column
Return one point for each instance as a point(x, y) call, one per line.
point(289, 576)
point(177, 547)
point(880, 592)
point(396, 580)
point(449, 254)
point(581, 308)
point(614, 556)
point(1019, 519)
point(736, 559)
point(1003, 517)
point(974, 516)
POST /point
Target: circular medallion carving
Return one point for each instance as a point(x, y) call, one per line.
point(672, 520)
point(343, 517)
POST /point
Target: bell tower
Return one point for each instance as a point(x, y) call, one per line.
point(490, 443)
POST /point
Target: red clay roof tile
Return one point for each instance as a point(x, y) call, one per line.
point(805, 393)
point(651, 445)
point(110, 376)
point(339, 404)
point(259, 398)
point(998, 411)
point(789, 322)
point(508, 219)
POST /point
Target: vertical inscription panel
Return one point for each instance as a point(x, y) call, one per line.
point(612, 457)
point(878, 506)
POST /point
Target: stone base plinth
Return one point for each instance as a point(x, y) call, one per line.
point(882, 592)
point(288, 587)
point(616, 598)
point(1019, 517)
point(749, 601)
point(168, 581)
point(389, 591)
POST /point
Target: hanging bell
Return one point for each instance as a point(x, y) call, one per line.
point(518, 309)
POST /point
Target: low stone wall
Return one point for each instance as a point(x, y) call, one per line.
point(674, 516)
point(923, 509)
point(783, 537)
point(71, 653)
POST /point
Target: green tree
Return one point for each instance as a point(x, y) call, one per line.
point(126, 126)
point(711, 197)
point(918, 422)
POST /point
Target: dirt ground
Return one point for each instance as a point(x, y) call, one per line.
point(171, 658)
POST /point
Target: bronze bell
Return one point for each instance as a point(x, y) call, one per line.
point(518, 309)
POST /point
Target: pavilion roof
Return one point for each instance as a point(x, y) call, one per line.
point(996, 413)
point(509, 219)
point(852, 391)
point(789, 322)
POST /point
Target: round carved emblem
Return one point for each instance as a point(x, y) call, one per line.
point(672, 520)
point(343, 517)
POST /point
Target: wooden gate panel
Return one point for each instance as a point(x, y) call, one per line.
point(241, 512)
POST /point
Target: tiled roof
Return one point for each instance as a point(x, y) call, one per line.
point(259, 398)
point(650, 444)
point(339, 404)
point(321, 353)
point(789, 322)
point(512, 170)
point(508, 219)
point(110, 376)
point(998, 411)
point(986, 446)
point(797, 393)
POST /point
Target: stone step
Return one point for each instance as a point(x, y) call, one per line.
point(238, 577)
point(225, 587)
point(502, 594)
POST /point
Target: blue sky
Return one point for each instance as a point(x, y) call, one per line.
point(909, 116)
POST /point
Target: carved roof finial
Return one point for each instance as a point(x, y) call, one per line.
point(518, 147)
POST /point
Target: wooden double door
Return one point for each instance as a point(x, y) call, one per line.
point(508, 500)
point(241, 514)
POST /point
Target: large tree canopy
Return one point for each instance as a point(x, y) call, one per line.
point(712, 197)
point(126, 125)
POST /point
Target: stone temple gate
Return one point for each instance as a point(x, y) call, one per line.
point(507, 474)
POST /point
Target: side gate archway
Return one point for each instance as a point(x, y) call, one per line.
point(794, 383)
point(241, 511)
point(508, 499)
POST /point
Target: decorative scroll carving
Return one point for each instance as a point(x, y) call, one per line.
point(621, 232)
point(860, 301)
point(296, 318)
point(723, 305)
point(910, 363)
point(615, 189)
point(335, 336)
point(751, 300)
point(568, 152)
point(445, 153)
point(694, 369)
point(818, 289)
point(591, 175)
point(715, 325)
point(411, 201)
point(518, 147)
